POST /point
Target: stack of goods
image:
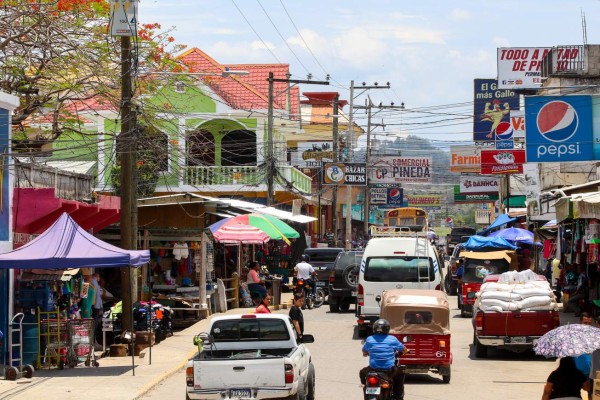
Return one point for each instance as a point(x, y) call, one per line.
point(516, 291)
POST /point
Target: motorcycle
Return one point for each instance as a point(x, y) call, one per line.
point(311, 299)
point(379, 385)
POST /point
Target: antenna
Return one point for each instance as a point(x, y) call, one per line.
point(583, 28)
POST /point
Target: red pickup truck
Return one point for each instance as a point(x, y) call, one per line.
point(516, 330)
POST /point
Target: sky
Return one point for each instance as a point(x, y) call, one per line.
point(428, 50)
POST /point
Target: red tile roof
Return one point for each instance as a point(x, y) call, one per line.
point(244, 92)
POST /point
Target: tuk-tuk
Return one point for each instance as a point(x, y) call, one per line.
point(478, 265)
point(420, 319)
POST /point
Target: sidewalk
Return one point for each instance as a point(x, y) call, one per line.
point(114, 378)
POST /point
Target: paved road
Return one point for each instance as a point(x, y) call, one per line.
point(337, 358)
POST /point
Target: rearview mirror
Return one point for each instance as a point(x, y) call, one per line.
point(308, 339)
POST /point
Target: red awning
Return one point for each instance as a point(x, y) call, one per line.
point(35, 209)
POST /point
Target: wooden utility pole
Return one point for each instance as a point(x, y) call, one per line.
point(127, 146)
point(336, 158)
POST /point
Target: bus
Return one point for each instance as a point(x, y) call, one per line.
point(412, 218)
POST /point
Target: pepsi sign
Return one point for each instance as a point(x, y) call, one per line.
point(395, 196)
point(559, 128)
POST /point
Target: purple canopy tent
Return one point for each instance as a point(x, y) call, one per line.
point(66, 245)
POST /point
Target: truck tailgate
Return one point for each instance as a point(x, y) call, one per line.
point(242, 373)
point(517, 323)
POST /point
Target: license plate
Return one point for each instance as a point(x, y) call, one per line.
point(372, 390)
point(320, 283)
point(519, 340)
point(471, 295)
point(240, 393)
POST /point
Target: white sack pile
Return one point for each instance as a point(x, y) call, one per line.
point(516, 291)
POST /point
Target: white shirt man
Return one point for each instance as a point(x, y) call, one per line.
point(304, 270)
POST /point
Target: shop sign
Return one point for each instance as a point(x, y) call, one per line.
point(520, 67)
point(478, 184)
point(422, 201)
point(502, 161)
point(517, 122)
point(349, 174)
point(401, 170)
point(465, 158)
point(491, 110)
point(378, 196)
point(314, 154)
point(473, 197)
point(559, 129)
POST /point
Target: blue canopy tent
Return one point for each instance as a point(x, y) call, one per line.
point(66, 245)
point(500, 220)
point(483, 243)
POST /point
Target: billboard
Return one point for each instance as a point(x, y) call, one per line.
point(349, 174)
point(400, 170)
point(473, 197)
point(502, 161)
point(559, 128)
point(520, 67)
point(465, 158)
point(478, 184)
point(390, 196)
point(313, 154)
point(491, 109)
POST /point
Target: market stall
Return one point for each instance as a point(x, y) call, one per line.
point(66, 245)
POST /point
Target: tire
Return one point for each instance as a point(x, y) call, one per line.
point(308, 302)
point(11, 373)
point(319, 298)
point(300, 394)
point(28, 371)
point(463, 313)
point(446, 377)
point(363, 331)
point(345, 306)
point(334, 304)
point(350, 276)
point(480, 350)
point(310, 392)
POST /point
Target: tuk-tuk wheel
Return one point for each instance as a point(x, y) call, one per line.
point(11, 373)
point(28, 371)
point(446, 377)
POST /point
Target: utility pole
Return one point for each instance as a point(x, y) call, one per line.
point(349, 143)
point(336, 158)
point(270, 160)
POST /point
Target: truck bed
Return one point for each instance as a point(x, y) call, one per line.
point(243, 354)
point(517, 323)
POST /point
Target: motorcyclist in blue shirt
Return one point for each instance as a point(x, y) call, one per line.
point(381, 349)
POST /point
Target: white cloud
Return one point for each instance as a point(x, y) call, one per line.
point(316, 43)
point(500, 41)
point(358, 48)
point(459, 14)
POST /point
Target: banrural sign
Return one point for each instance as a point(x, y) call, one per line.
point(400, 170)
point(474, 197)
point(478, 184)
point(465, 158)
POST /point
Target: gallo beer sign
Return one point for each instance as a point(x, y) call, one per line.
point(401, 170)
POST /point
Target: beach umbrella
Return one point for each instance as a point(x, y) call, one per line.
point(272, 226)
point(240, 234)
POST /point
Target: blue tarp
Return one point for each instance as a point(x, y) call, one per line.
point(501, 219)
point(483, 243)
point(515, 235)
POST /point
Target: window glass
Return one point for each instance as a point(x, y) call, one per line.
point(249, 329)
point(417, 317)
point(399, 269)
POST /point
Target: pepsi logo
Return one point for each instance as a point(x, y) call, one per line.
point(395, 194)
point(504, 131)
point(557, 121)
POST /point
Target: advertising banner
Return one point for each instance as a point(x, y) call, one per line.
point(124, 17)
point(491, 110)
point(465, 158)
point(517, 122)
point(349, 174)
point(520, 67)
point(395, 196)
point(424, 200)
point(390, 196)
point(400, 170)
point(478, 184)
point(473, 197)
point(378, 196)
point(313, 154)
point(502, 161)
point(559, 128)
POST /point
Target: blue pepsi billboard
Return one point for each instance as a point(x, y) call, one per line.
point(558, 128)
point(491, 110)
point(395, 197)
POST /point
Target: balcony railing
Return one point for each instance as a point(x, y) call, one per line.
point(245, 175)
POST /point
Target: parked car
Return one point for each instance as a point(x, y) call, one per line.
point(322, 260)
point(458, 235)
point(343, 280)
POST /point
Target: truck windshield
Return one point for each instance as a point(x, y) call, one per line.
point(399, 269)
point(249, 330)
point(477, 270)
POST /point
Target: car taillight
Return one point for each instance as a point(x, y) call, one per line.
point(385, 385)
point(300, 282)
point(361, 295)
point(189, 376)
point(289, 373)
point(479, 321)
point(438, 287)
point(442, 344)
point(331, 276)
point(372, 381)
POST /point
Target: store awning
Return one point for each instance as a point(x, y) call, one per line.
point(48, 275)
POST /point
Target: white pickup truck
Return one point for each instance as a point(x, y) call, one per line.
point(251, 356)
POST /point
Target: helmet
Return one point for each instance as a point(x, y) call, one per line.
point(305, 258)
point(381, 326)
